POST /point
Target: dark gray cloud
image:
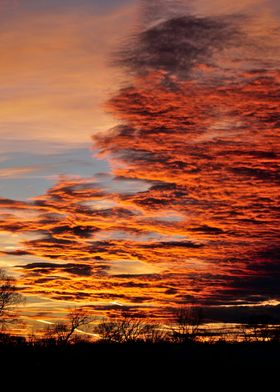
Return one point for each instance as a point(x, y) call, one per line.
point(177, 44)
point(71, 268)
point(208, 230)
point(113, 212)
point(173, 244)
point(260, 174)
point(239, 314)
point(82, 231)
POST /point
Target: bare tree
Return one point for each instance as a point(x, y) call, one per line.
point(155, 333)
point(9, 298)
point(275, 334)
point(126, 329)
point(260, 328)
point(62, 332)
point(186, 324)
point(108, 331)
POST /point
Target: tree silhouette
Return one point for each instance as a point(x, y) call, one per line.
point(260, 328)
point(127, 329)
point(9, 299)
point(186, 324)
point(62, 332)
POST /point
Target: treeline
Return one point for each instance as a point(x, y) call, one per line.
point(186, 326)
point(83, 346)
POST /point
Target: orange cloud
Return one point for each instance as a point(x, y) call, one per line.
point(205, 139)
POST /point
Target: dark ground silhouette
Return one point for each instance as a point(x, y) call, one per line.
point(181, 359)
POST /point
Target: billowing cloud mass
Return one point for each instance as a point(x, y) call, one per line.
point(198, 129)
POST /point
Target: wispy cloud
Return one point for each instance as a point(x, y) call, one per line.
point(54, 72)
point(17, 172)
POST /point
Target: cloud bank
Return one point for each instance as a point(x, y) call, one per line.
point(198, 122)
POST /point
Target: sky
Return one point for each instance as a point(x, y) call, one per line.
point(139, 159)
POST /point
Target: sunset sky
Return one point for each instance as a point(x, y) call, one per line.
point(139, 155)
